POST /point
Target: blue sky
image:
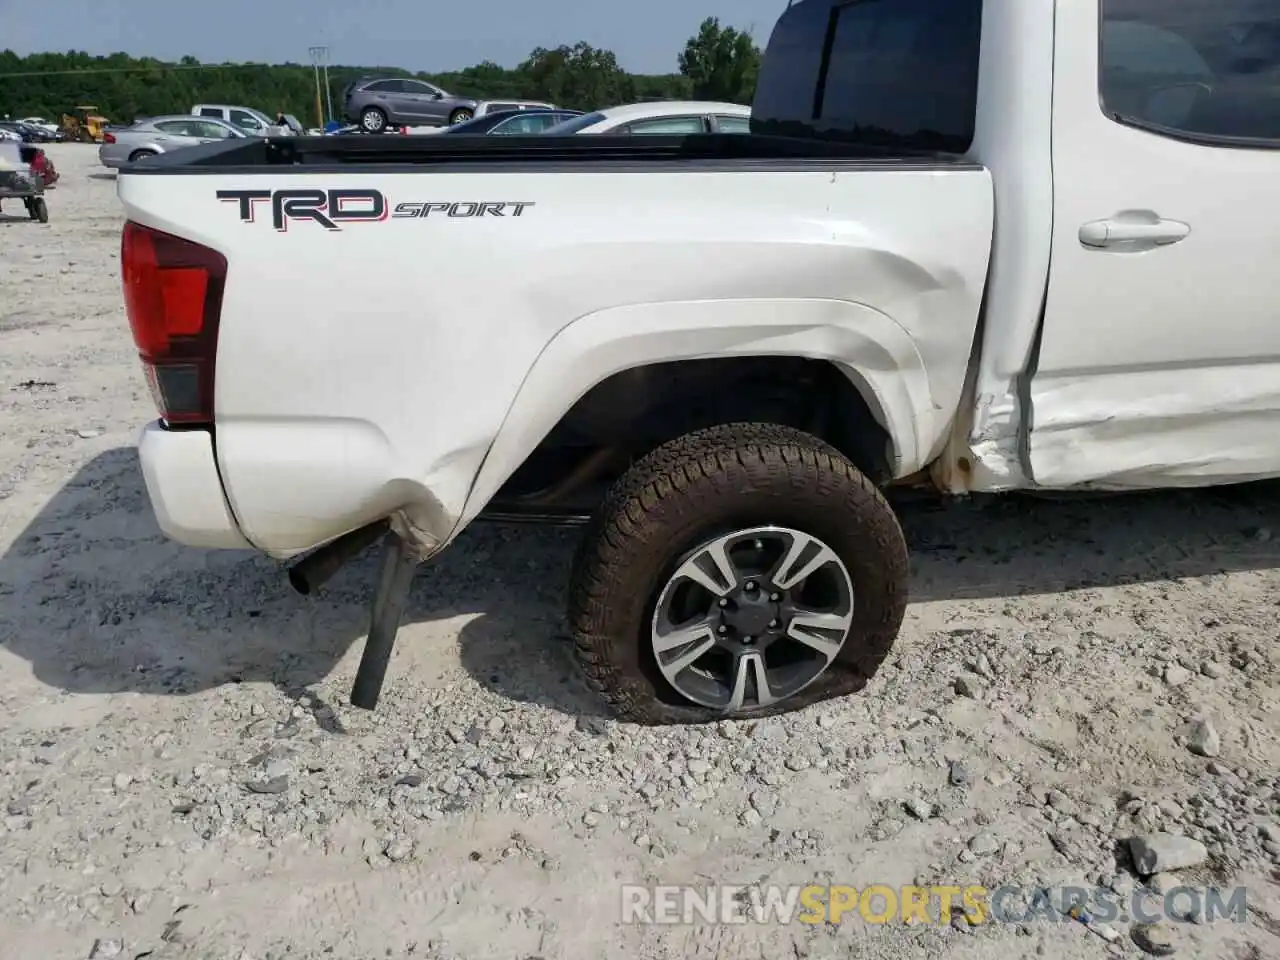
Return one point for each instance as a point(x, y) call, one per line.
point(427, 35)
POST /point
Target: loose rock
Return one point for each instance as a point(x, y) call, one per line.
point(1162, 852)
point(1154, 939)
point(1203, 739)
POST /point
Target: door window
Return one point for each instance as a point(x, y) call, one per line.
point(733, 124)
point(1204, 70)
point(245, 120)
point(667, 125)
point(211, 131)
point(531, 123)
point(386, 86)
point(211, 112)
point(177, 128)
point(420, 88)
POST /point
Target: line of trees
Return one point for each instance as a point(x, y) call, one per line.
point(718, 63)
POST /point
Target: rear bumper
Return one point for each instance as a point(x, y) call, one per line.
point(182, 481)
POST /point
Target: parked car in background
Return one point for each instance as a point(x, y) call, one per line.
point(28, 133)
point(161, 135)
point(9, 135)
point(245, 119)
point(669, 117)
point(377, 103)
point(48, 126)
point(485, 107)
point(512, 122)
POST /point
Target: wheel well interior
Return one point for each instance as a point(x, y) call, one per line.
point(629, 414)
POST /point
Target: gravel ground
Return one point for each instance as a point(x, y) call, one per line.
point(182, 777)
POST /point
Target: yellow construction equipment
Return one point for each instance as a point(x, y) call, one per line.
point(85, 126)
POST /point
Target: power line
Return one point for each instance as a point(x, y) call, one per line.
point(153, 69)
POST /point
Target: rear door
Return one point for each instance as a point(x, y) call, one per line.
point(1159, 363)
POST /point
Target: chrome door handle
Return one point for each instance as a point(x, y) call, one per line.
point(1140, 229)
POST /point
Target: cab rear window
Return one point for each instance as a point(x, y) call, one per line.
point(900, 74)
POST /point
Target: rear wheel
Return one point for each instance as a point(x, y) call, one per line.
point(460, 116)
point(739, 571)
point(39, 210)
point(373, 120)
point(140, 154)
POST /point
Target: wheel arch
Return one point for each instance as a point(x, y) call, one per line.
point(871, 351)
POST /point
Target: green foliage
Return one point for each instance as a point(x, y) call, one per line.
point(721, 63)
point(123, 87)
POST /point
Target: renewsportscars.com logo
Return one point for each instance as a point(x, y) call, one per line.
point(333, 208)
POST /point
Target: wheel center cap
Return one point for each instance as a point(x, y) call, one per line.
point(751, 613)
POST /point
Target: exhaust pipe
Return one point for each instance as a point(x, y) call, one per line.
point(311, 572)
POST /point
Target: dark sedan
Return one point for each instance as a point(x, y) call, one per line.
point(28, 133)
point(511, 122)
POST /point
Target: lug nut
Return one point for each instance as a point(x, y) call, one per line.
point(722, 629)
point(773, 624)
point(775, 597)
point(751, 585)
point(724, 602)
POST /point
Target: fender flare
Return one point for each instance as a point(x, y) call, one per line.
point(874, 351)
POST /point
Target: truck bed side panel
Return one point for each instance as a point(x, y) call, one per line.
point(371, 365)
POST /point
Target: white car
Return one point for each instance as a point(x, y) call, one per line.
point(992, 245)
point(497, 106)
point(42, 123)
point(670, 117)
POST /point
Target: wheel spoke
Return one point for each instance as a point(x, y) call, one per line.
point(805, 556)
point(665, 642)
point(711, 569)
point(689, 657)
point(745, 667)
point(823, 632)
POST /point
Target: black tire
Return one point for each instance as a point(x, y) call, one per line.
point(140, 155)
point(460, 116)
point(40, 210)
point(709, 482)
point(373, 120)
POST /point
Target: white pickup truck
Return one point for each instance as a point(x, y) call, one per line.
point(986, 244)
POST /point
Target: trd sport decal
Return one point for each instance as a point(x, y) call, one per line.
point(333, 208)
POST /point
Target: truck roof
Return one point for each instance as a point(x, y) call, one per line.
point(663, 108)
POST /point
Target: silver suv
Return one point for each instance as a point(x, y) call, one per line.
point(377, 103)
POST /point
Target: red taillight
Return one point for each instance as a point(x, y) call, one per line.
point(108, 138)
point(173, 298)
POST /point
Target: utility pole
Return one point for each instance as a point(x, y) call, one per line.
point(320, 58)
point(328, 90)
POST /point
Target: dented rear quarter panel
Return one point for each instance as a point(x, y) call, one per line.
point(413, 363)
